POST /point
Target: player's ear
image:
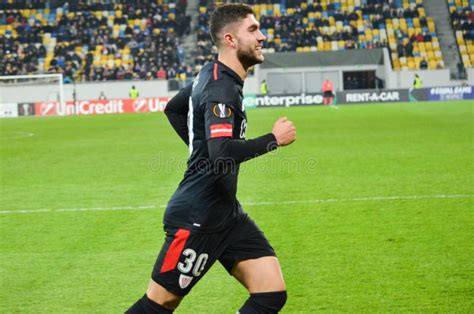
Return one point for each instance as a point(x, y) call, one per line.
point(229, 40)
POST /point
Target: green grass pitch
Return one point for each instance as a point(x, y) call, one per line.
point(371, 210)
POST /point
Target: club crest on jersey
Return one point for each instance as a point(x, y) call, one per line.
point(184, 281)
point(221, 111)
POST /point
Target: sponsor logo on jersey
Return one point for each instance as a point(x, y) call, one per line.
point(221, 111)
point(184, 281)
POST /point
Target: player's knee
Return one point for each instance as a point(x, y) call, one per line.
point(265, 302)
point(160, 295)
point(167, 303)
point(147, 306)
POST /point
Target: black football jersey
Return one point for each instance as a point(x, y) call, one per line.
point(206, 198)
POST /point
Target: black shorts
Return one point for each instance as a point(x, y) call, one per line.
point(328, 94)
point(186, 256)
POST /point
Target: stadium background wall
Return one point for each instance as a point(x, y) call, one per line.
point(158, 104)
point(280, 81)
point(285, 73)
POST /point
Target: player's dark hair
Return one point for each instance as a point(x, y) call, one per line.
point(224, 15)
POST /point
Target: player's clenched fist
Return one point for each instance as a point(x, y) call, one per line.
point(284, 131)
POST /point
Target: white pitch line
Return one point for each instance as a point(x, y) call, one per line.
point(314, 201)
point(16, 135)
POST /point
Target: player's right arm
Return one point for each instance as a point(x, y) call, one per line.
point(177, 112)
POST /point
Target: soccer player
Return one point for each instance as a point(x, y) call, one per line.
point(328, 92)
point(204, 222)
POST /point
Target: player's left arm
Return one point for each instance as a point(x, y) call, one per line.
point(241, 150)
point(177, 112)
point(220, 110)
point(221, 143)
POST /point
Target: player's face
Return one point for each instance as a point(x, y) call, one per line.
point(250, 42)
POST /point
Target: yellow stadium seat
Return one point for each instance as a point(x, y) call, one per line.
point(416, 22)
point(431, 55)
point(431, 27)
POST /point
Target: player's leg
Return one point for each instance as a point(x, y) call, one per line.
point(252, 261)
point(156, 300)
point(263, 279)
point(260, 275)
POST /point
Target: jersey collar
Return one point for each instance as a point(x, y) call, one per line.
point(225, 69)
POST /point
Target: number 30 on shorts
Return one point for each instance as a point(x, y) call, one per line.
point(189, 262)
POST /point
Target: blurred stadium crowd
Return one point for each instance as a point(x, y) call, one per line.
point(462, 19)
point(96, 40)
